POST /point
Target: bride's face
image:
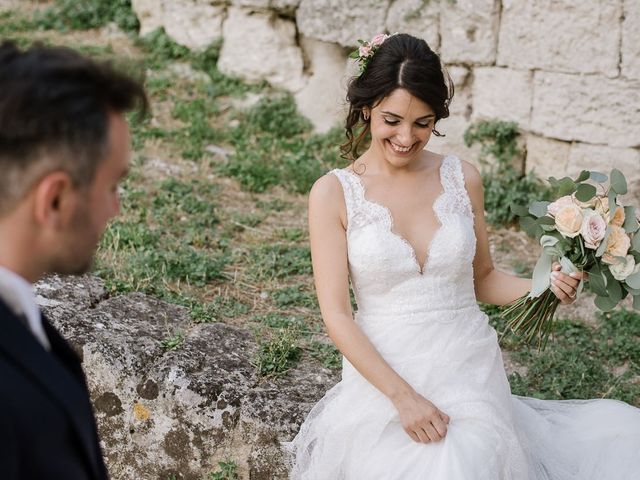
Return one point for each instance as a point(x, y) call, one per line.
point(401, 126)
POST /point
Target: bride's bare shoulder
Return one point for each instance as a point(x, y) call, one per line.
point(327, 192)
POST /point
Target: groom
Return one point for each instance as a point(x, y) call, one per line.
point(64, 146)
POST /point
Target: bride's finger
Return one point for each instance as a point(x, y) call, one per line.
point(432, 433)
point(413, 435)
point(445, 418)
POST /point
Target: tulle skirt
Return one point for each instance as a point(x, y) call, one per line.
point(453, 359)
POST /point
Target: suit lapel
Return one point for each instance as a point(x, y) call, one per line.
point(58, 373)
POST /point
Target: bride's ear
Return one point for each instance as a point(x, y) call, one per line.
point(366, 114)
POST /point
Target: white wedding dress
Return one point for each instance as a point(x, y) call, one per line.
point(426, 324)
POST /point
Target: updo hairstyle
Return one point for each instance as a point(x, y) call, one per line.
point(402, 61)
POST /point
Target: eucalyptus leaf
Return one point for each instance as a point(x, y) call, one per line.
point(614, 289)
point(632, 291)
point(584, 175)
point(538, 209)
point(545, 220)
point(585, 192)
point(636, 302)
point(618, 182)
point(631, 224)
point(530, 226)
point(519, 210)
point(635, 242)
point(599, 177)
point(597, 282)
point(603, 244)
point(612, 203)
point(540, 280)
point(565, 186)
point(548, 241)
point(604, 303)
point(634, 281)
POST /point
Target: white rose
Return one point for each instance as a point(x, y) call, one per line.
point(569, 220)
point(622, 270)
point(593, 229)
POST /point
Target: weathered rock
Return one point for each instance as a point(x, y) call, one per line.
point(192, 23)
point(592, 109)
point(568, 36)
point(150, 14)
point(503, 94)
point(416, 18)
point(457, 123)
point(179, 411)
point(342, 21)
point(259, 46)
point(547, 157)
point(328, 82)
point(631, 40)
point(285, 7)
point(469, 31)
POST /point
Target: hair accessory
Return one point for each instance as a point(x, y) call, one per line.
point(367, 50)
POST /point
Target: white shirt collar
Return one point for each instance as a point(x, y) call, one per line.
point(18, 294)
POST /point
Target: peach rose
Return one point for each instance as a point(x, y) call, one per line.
point(618, 245)
point(569, 220)
point(618, 217)
point(593, 229)
point(553, 208)
point(602, 207)
point(622, 270)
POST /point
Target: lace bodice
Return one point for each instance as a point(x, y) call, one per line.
point(384, 271)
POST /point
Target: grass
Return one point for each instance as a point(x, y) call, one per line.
point(225, 237)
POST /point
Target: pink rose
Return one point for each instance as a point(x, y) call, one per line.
point(379, 39)
point(593, 229)
point(562, 202)
point(364, 50)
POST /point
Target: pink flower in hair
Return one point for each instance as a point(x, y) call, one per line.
point(364, 50)
point(379, 39)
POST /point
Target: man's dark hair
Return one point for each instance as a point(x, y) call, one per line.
point(54, 114)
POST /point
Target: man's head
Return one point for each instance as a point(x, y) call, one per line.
point(64, 146)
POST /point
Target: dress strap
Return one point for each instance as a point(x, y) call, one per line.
point(452, 179)
point(352, 189)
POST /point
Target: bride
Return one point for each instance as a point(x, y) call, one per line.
point(424, 394)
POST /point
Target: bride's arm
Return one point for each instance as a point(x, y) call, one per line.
point(327, 231)
point(492, 285)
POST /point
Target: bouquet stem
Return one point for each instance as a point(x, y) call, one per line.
point(532, 318)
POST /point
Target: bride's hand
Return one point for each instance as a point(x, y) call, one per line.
point(565, 286)
point(421, 419)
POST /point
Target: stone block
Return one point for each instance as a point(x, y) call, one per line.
point(261, 46)
point(631, 40)
point(194, 24)
point(503, 94)
point(469, 31)
point(565, 36)
point(327, 82)
point(280, 6)
point(416, 18)
point(342, 21)
point(591, 109)
point(546, 157)
point(150, 14)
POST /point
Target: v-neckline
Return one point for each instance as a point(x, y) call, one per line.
point(421, 267)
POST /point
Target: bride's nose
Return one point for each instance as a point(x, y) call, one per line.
point(404, 135)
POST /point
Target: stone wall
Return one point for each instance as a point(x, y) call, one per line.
point(567, 71)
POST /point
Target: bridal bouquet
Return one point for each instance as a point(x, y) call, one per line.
point(586, 229)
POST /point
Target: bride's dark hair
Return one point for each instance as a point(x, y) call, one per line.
point(402, 61)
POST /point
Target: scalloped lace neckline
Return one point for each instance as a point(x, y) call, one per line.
point(420, 266)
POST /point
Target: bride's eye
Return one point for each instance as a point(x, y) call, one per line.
point(391, 121)
point(423, 124)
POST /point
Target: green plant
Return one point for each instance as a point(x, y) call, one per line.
point(279, 261)
point(87, 14)
point(277, 355)
point(327, 354)
point(504, 184)
point(173, 342)
point(228, 470)
point(295, 295)
point(219, 309)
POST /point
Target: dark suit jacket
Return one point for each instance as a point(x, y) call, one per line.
point(47, 427)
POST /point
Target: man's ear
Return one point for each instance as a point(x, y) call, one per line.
point(54, 200)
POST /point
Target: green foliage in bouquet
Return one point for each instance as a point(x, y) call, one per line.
point(503, 183)
point(585, 229)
